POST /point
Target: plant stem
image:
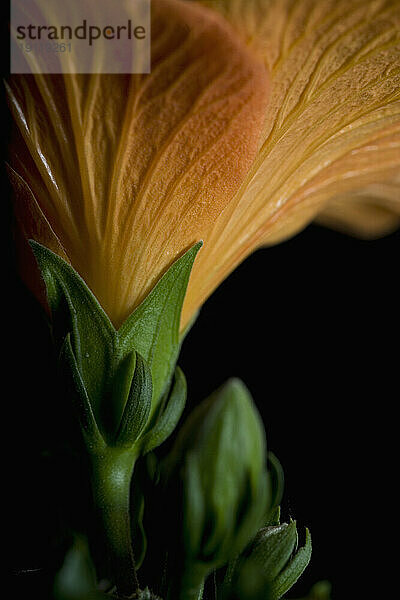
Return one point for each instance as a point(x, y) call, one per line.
point(111, 478)
point(189, 585)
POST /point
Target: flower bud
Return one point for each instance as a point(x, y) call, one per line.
point(217, 467)
point(270, 565)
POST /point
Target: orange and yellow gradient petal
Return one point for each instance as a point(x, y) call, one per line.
point(130, 170)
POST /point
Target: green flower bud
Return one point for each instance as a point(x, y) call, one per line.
point(270, 565)
point(218, 468)
point(273, 547)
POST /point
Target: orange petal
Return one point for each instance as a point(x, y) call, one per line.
point(31, 224)
point(332, 126)
point(131, 170)
point(369, 213)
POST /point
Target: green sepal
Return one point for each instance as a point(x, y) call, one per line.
point(138, 405)
point(87, 419)
point(75, 310)
point(277, 483)
point(106, 358)
point(233, 565)
point(269, 566)
point(169, 414)
point(273, 547)
point(153, 328)
point(277, 479)
point(291, 573)
point(274, 517)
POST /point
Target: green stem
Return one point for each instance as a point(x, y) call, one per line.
point(111, 478)
point(189, 585)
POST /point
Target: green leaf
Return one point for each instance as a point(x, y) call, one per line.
point(169, 415)
point(153, 328)
point(75, 310)
point(138, 405)
point(290, 574)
